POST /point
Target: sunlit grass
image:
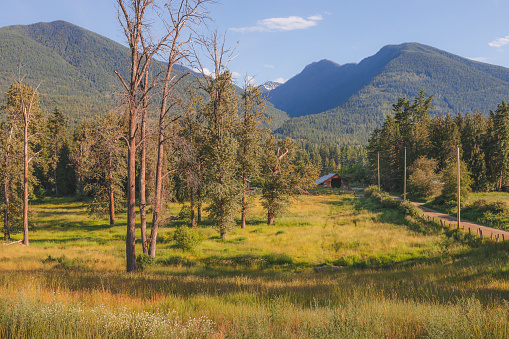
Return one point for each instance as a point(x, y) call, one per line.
point(260, 282)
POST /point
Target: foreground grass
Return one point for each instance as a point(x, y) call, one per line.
point(399, 280)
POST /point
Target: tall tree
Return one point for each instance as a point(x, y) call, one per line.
point(56, 128)
point(24, 101)
point(220, 115)
point(108, 160)
point(285, 172)
point(249, 136)
point(11, 176)
point(81, 155)
point(500, 142)
point(182, 15)
point(132, 17)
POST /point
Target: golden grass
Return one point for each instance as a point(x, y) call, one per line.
point(426, 286)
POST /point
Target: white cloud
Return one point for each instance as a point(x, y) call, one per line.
point(281, 24)
point(205, 71)
point(269, 66)
point(236, 75)
point(317, 17)
point(281, 80)
point(499, 42)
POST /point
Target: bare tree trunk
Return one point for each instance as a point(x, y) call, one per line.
point(131, 197)
point(111, 193)
point(143, 170)
point(25, 183)
point(7, 217)
point(157, 196)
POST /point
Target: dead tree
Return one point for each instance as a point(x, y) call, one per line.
point(181, 16)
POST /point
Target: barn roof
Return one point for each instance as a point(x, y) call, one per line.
point(324, 178)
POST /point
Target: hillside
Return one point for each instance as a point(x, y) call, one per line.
point(335, 103)
point(74, 66)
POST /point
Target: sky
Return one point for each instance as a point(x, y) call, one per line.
point(275, 39)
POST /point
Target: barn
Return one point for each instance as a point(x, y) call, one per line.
point(332, 180)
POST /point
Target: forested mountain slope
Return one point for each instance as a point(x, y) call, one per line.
point(347, 102)
point(75, 68)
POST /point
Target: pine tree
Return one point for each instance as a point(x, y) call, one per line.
point(220, 151)
point(56, 128)
point(249, 136)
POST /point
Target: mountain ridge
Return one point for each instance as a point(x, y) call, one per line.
point(355, 99)
point(76, 67)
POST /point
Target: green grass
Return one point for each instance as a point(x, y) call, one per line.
point(400, 278)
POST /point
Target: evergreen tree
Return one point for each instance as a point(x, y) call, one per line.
point(57, 134)
point(473, 140)
point(500, 143)
point(220, 151)
point(286, 171)
point(108, 161)
point(249, 136)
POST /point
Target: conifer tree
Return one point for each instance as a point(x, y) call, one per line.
point(56, 127)
point(249, 136)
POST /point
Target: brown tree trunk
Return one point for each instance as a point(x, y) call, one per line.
point(25, 185)
point(7, 217)
point(111, 193)
point(131, 196)
point(270, 218)
point(143, 170)
point(157, 196)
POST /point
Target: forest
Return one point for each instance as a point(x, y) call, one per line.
point(431, 145)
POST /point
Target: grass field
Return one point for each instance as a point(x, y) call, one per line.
point(382, 274)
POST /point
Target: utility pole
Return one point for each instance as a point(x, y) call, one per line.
point(379, 171)
point(404, 182)
point(459, 182)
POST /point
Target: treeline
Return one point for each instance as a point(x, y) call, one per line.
point(483, 143)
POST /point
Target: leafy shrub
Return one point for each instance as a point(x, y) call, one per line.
point(144, 261)
point(187, 238)
point(407, 208)
point(423, 182)
point(371, 191)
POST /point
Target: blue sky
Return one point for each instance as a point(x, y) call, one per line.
point(278, 38)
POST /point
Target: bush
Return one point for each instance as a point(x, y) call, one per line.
point(187, 238)
point(371, 191)
point(144, 261)
point(423, 182)
point(407, 208)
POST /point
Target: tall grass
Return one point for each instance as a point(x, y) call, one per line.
point(400, 278)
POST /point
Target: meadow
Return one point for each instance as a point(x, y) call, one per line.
point(334, 266)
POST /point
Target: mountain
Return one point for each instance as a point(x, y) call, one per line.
point(269, 86)
point(74, 67)
point(344, 103)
